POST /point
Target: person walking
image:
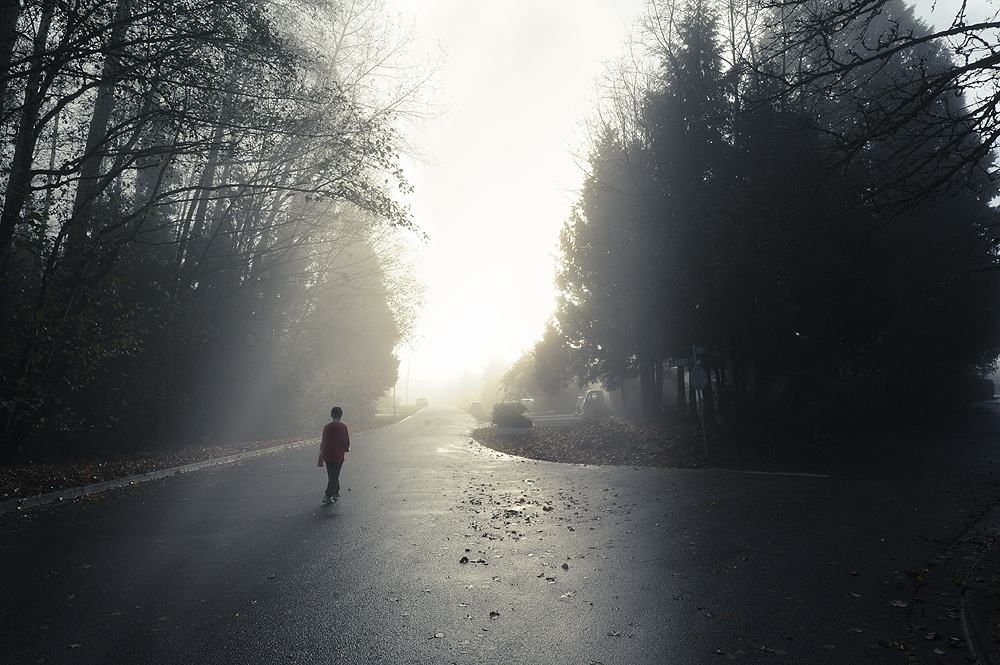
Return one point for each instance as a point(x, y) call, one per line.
point(333, 447)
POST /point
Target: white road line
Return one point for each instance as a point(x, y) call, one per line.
point(794, 474)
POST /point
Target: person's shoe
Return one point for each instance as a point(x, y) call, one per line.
point(327, 499)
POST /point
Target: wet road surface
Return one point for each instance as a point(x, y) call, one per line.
point(565, 563)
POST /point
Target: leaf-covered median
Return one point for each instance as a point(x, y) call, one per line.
point(609, 441)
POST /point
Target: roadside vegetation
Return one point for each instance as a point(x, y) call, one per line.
point(193, 195)
point(801, 209)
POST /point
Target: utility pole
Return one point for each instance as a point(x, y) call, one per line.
point(406, 395)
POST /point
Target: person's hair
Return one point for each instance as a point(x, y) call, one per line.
point(336, 412)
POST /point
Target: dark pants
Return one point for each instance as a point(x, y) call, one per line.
point(333, 473)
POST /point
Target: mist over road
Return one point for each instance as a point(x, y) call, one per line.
point(242, 564)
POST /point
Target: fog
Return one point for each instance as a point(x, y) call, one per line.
point(497, 170)
point(387, 198)
point(545, 331)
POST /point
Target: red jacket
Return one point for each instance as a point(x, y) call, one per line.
point(336, 442)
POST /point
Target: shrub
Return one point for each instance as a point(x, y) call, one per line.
point(510, 414)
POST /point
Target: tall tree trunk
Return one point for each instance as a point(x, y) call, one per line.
point(195, 244)
point(651, 386)
point(53, 150)
point(692, 398)
point(21, 173)
point(10, 11)
point(93, 153)
point(658, 386)
point(15, 199)
point(625, 401)
point(681, 396)
point(708, 396)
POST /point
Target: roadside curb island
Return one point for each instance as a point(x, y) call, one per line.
point(953, 616)
point(955, 606)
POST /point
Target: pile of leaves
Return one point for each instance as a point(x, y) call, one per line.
point(608, 441)
point(32, 478)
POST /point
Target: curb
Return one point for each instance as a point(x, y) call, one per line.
point(979, 650)
point(953, 597)
point(56, 496)
point(976, 611)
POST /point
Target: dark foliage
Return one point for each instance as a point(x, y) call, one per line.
point(726, 217)
point(193, 240)
point(510, 414)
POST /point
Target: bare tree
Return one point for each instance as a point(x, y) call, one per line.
point(927, 100)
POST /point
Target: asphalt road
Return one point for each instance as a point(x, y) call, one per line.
point(242, 564)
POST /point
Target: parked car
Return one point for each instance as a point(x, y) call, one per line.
point(421, 402)
point(594, 405)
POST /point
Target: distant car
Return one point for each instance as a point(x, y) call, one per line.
point(529, 404)
point(421, 402)
point(594, 405)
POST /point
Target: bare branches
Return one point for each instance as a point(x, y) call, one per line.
point(885, 82)
point(210, 158)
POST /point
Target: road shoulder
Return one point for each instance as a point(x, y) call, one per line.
point(954, 614)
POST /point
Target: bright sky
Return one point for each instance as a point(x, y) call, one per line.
point(515, 83)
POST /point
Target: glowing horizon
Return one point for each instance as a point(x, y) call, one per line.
point(499, 175)
point(499, 172)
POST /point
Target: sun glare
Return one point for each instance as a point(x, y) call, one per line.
point(499, 172)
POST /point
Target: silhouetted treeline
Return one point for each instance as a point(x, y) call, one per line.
point(821, 238)
point(195, 239)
